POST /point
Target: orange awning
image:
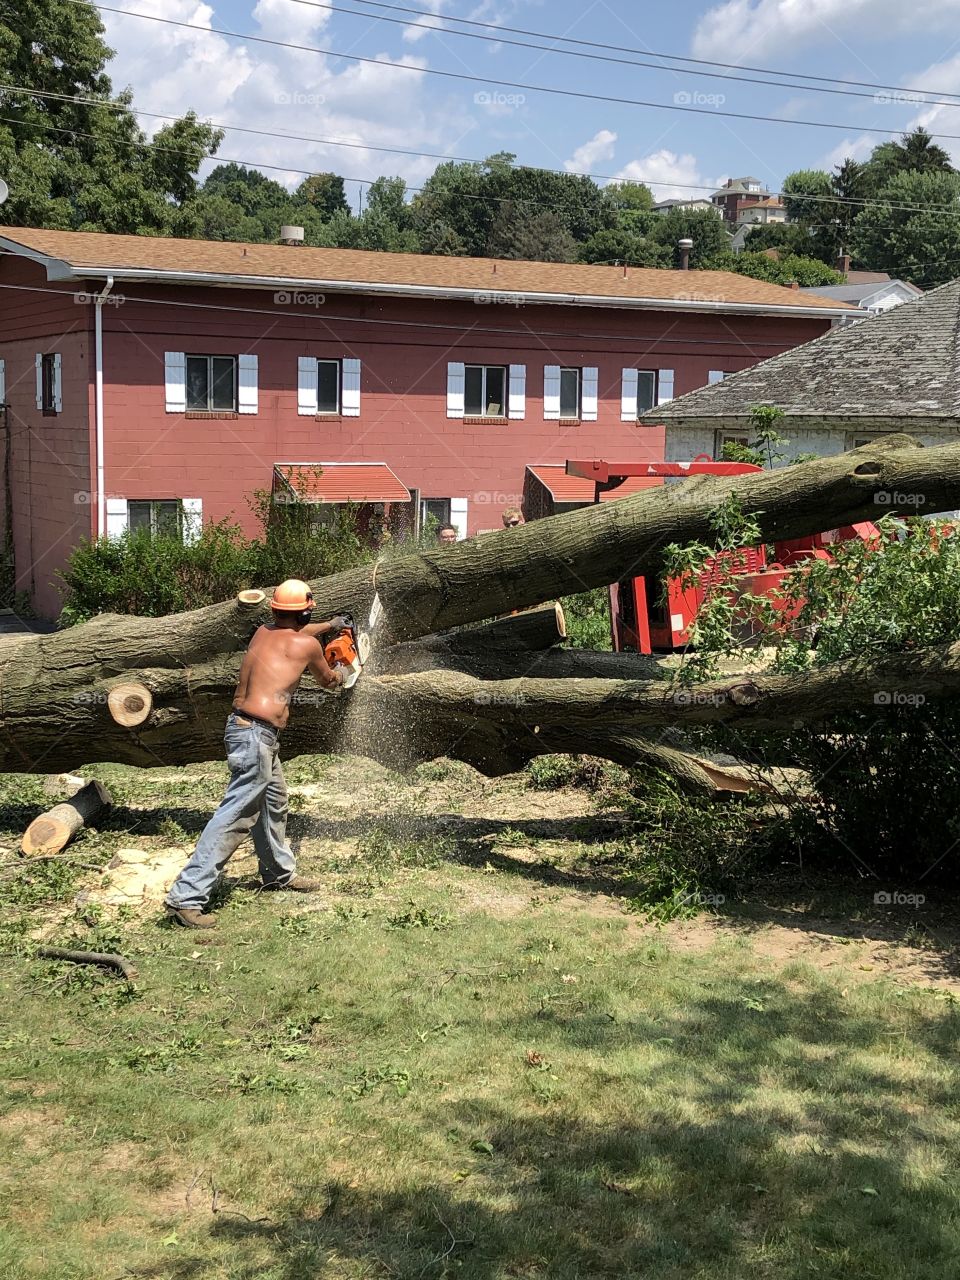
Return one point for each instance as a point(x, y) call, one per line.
point(339, 482)
point(574, 489)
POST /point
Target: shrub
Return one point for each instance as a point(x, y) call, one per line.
point(588, 619)
point(155, 575)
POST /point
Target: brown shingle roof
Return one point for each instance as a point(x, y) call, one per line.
point(904, 364)
point(270, 263)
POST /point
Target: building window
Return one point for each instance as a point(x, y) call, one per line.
point(329, 382)
point(646, 390)
point(570, 384)
point(434, 509)
point(485, 387)
point(729, 437)
point(211, 383)
point(161, 517)
point(48, 384)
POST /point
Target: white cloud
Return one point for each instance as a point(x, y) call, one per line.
point(414, 33)
point(743, 29)
point(670, 176)
point(282, 91)
point(942, 77)
point(598, 149)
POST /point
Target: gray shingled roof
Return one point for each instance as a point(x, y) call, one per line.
point(902, 364)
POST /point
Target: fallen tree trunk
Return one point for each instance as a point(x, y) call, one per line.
point(155, 691)
point(54, 830)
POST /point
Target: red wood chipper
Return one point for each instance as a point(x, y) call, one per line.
point(649, 615)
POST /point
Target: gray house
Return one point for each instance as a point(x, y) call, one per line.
point(899, 371)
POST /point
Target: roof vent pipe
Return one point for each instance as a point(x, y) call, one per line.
point(686, 244)
point(291, 235)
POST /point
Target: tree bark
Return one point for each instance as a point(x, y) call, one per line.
point(490, 694)
point(54, 830)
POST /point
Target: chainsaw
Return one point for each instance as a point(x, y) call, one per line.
point(349, 649)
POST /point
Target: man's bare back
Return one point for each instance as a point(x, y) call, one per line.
point(272, 666)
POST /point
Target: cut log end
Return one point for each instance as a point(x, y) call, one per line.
point(251, 598)
point(53, 830)
point(130, 704)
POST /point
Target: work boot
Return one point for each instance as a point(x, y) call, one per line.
point(298, 884)
point(191, 918)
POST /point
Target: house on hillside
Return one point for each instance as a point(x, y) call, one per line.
point(899, 371)
point(737, 195)
point(158, 383)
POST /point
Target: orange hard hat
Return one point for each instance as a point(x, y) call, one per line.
point(292, 596)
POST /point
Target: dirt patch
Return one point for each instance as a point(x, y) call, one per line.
point(34, 1129)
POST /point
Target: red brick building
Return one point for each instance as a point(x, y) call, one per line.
point(150, 380)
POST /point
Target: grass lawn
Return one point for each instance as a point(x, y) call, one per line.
point(467, 1058)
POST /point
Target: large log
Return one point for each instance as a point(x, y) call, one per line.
point(53, 830)
point(155, 691)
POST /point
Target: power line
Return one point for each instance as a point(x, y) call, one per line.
point(429, 155)
point(595, 57)
point(650, 53)
point(488, 80)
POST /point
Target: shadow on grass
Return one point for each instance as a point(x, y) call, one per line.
point(782, 1138)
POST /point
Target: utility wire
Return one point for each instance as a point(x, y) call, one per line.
point(649, 53)
point(578, 94)
point(427, 155)
point(601, 57)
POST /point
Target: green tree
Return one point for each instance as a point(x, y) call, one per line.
point(323, 192)
point(619, 246)
point(76, 158)
point(788, 237)
point(916, 152)
point(536, 237)
point(704, 227)
point(790, 267)
point(914, 229)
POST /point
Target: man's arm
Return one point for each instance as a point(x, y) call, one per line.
point(317, 629)
point(326, 676)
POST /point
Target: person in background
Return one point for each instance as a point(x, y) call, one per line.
point(446, 534)
point(512, 516)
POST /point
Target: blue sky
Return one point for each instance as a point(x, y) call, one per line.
point(287, 92)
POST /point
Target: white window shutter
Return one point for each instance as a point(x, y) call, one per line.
point(517, 403)
point(39, 380)
point(3, 381)
point(175, 380)
point(589, 379)
point(715, 375)
point(628, 395)
point(57, 384)
point(664, 386)
point(458, 516)
point(350, 389)
point(247, 396)
point(192, 517)
point(551, 391)
point(116, 517)
point(456, 377)
point(307, 386)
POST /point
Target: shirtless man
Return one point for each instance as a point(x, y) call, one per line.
point(255, 801)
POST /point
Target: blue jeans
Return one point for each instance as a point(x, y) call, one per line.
point(255, 802)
